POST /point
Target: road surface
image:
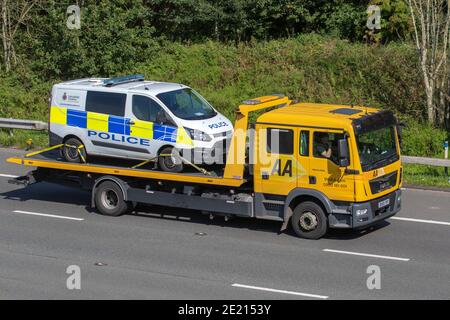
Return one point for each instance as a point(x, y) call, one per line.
point(161, 253)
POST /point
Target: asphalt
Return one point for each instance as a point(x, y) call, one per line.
point(158, 253)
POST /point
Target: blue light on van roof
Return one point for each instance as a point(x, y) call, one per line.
point(119, 80)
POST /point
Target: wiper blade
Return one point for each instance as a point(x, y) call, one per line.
point(388, 160)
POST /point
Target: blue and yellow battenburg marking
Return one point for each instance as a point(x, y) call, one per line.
point(113, 124)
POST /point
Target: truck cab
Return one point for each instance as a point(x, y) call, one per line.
point(344, 159)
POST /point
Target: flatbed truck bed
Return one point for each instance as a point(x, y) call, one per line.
point(52, 160)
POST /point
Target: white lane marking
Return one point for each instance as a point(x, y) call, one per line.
point(8, 175)
point(279, 291)
point(422, 220)
point(366, 255)
point(47, 215)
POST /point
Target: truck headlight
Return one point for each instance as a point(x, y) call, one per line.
point(361, 212)
point(198, 135)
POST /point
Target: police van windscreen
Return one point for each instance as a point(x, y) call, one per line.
point(187, 104)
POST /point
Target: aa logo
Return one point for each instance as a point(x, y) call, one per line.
point(281, 170)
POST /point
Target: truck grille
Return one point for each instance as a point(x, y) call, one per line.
point(383, 183)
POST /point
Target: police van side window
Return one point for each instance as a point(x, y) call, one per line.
point(106, 102)
point(146, 109)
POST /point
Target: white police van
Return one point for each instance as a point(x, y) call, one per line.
point(128, 117)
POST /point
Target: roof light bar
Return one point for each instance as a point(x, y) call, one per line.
point(119, 80)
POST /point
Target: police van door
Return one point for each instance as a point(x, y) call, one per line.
point(277, 159)
point(106, 125)
point(150, 125)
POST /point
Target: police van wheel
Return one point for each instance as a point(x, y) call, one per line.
point(309, 221)
point(71, 154)
point(172, 163)
point(109, 200)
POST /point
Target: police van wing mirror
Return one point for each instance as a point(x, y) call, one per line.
point(344, 154)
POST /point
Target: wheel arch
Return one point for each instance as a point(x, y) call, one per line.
point(122, 185)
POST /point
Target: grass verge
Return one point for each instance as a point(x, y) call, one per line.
point(23, 139)
point(421, 175)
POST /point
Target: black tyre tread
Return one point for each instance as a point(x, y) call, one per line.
point(122, 207)
point(74, 142)
point(176, 169)
point(322, 227)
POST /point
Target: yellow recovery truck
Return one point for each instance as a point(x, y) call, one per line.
point(335, 167)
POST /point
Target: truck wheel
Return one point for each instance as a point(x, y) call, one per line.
point(309, 220)
point(171, 163)
point(109, 199)
point(71, 154)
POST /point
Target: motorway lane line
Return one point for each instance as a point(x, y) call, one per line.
point(47, 215)
point(8, 175)
point(422, 220)
point(366, 255)
point(279, 291)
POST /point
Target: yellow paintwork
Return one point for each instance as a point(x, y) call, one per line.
point(141, 129)
point(58, 115)
point(331, 179)
point(236, 153)
point(129, 172)
point(97, 121)
point(183, 138)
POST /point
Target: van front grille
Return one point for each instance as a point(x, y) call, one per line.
point(383, 183)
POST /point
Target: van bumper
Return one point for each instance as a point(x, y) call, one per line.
point(214, 155)
point(54, 139)
point(364, 214)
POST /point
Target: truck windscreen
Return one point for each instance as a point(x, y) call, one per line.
point(377, 148)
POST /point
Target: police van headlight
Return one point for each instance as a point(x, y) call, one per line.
point(198, 135)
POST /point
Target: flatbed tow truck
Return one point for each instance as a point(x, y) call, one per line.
point(356, 186)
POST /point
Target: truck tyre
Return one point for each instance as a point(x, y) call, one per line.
point(109, 199)
point(309, 220)
point(71, 154)
point(170, 163)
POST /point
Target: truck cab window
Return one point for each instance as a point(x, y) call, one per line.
point(146, 109)
point(304, 143)
point(280, 141)
point(325, 145)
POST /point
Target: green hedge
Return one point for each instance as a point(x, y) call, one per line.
point(308, 68)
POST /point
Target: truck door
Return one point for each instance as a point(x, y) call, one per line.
point(277, 158)
point(325, 173)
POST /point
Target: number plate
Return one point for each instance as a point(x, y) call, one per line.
point(383, 203)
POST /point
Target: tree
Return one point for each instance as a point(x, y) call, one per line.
point(13, 14)
point(431, 22)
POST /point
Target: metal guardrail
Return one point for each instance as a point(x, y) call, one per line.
point(39, 125)
point(6, 123)
point(427, 161)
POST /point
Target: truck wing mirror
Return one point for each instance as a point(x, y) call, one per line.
point(400, 127)
point(343, 152)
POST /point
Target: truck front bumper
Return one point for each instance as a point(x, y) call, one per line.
point(364, 214)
